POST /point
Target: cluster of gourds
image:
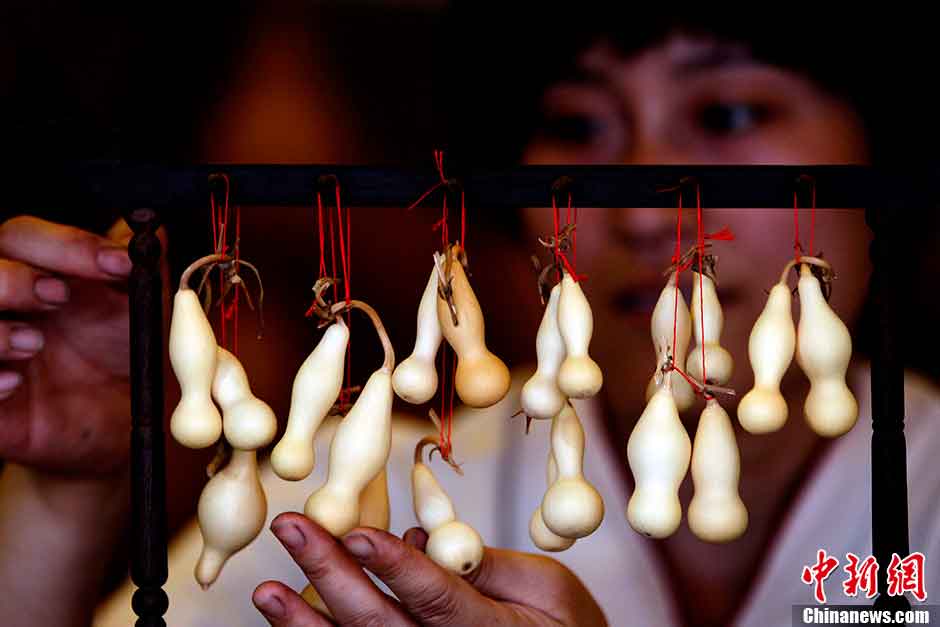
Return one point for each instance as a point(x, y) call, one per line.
point(205, 372)
point(823, 349)
point(571, 507)
point(659, 449)
point(448, 310)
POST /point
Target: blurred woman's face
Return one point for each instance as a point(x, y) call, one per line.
point(694, 101)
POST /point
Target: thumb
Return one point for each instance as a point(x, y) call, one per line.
point(433, 596)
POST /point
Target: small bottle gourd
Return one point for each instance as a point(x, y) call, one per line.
point(415, 378)
point(543, 537)
point(668, 316)
point(196, 421)
point(706, 330)
point(770, 349)
point(579, 375)
point(316, 387)
point(358, 453)
point(452, 544)
point(824, 348)
point(716, 512)
point(571, 507)
point(481, 379)
point(247, 422)
point(541, 398)
point(658, 451)
point(231, 512)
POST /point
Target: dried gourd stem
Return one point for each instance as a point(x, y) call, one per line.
point(812, 261)
point(444, 289)
point(705, 388)
point(685, 259)
point(202, 261)
point(430, 441)
point(338, 308)
point(223, 453)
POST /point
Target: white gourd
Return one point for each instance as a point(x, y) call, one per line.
point(719, 365)
point(359, 451)
point(452, 544)
point(231, 512)
point(196, 421)
point(415, 379)
point(666, 315)
point(247, 421)
point(572, 507)
point(716, 512)
point(540, 396)
point(543, 537)
point(824, 348)
point(658, 451)
point(579, 376)
point(770, 350)
point(316, 387)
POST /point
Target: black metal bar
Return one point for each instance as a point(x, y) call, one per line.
point(181, 188)
point(889, 524)
point(148, 465)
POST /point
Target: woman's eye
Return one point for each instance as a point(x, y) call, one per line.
point(732, 118)
point(572, 128)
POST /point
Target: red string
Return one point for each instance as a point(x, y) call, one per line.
point(797, 249)
point(676, 257)
point(238, 237)
point(701, 253)
point(322, 270)
point(812, 222)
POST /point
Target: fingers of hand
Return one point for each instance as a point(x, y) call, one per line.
point(22, 288)
point(282, 607)
point(63, 249)
point(429, 593)
point(9, 383)
point(345, 588)
point(19, 341)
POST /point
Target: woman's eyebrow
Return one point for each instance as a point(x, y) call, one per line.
point(718, 56)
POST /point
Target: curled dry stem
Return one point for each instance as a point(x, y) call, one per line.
point(338, 308)
point(686, 258)
point(442, 263)
point(430, 441)
point(820, 268)
point(202, 261)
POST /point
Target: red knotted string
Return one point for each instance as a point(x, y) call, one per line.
point(675, 311)
point(238, 237)
point(797, 248)
point(219, 217)
point(570, 214)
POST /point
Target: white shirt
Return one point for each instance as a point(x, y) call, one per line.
point(504, 480)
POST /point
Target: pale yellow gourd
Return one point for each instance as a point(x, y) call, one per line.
point(359, 451)
point(770, 350)
point(196, 421)
point(579, 375)
point(452, 544)
point(543, 537)
point(666, 315)
point(415, 378)
point(658, 451)
point(482, 379)
point(571, 507)
point(824, 348)
point(541, 398)
point(716, 512)
point(231, 513)
point(719, 365)
point(316, 387)
point(247, 422)
point(373, 512)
